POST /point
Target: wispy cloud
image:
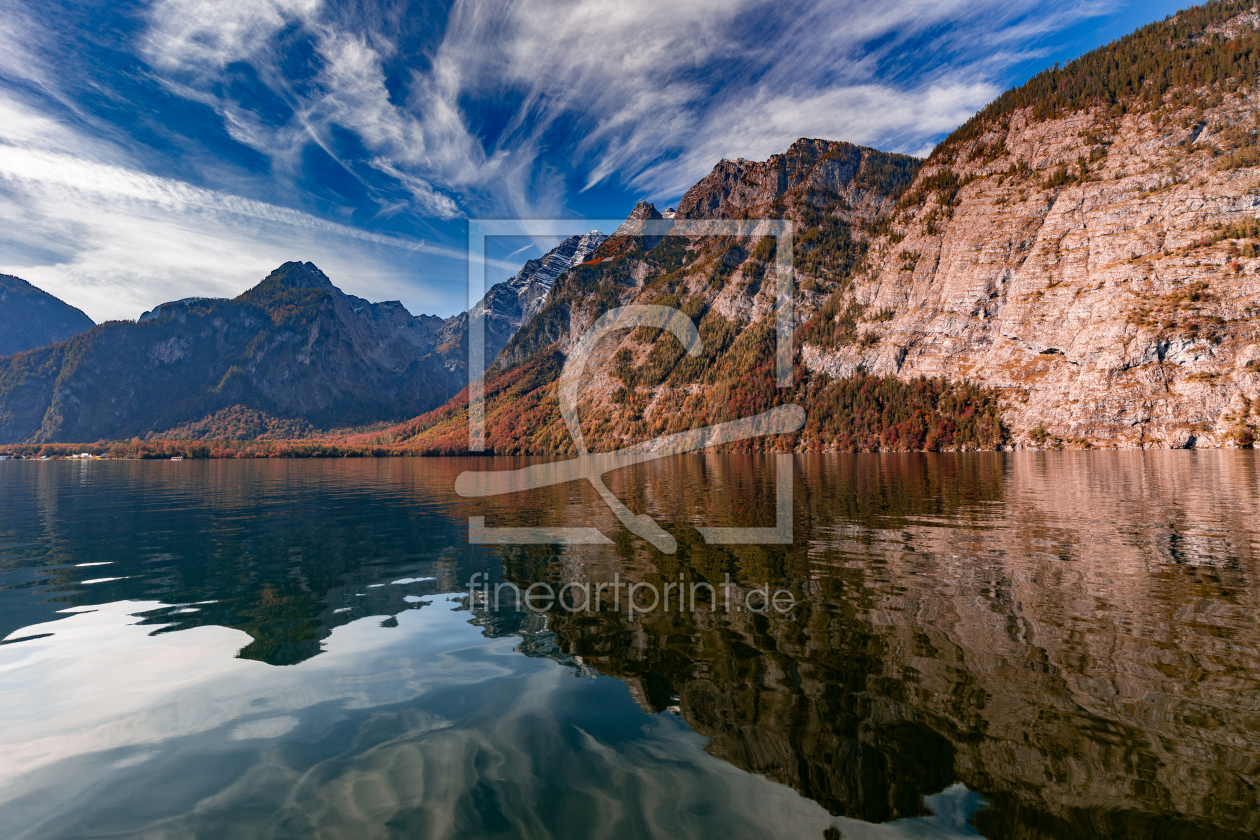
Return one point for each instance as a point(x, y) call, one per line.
point(651, 93)
point(334, 125)
point(115, 241)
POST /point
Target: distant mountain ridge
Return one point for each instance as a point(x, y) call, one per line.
point(294, 346)
point(30, 317)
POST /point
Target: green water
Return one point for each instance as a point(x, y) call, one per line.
point(1049, 645)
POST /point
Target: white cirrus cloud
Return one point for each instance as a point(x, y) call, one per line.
point(498, 108)
point(79, 222)
point(650, 93)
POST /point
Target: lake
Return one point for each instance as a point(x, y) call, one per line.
point(1020, 645)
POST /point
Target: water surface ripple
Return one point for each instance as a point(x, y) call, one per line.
point(1029, 645)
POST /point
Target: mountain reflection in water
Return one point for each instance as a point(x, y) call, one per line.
point(1045, 645)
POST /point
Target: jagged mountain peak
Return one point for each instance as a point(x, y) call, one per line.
point(291, 276)
point(299, 275)
point(643, 210)
point(627, 235)
point(866, 180)
point(294, 290)
point(509, 305)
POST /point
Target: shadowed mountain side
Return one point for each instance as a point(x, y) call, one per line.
point(294, 346)
point(289, 356)
point(31, 318)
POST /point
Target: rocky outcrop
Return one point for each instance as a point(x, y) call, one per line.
point(533, 282)
point(30, 317)
point(857, 182)
point(509, 305)
point(1114, 309)
point(632, 234)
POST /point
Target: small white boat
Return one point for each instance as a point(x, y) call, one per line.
point(178, 458)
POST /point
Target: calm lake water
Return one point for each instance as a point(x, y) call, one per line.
point(1032, 645)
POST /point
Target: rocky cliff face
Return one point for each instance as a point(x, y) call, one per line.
point(859, 183)
point(1099, 267)
point(638, 383)
point(30, 317)
point(533, 282)
point(837, 186)
point(1115, 308)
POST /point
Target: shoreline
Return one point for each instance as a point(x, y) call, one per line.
point(296, 450)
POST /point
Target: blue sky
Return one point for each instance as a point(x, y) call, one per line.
point(169, 148)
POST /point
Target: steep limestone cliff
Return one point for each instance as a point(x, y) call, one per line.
point(1099, 265)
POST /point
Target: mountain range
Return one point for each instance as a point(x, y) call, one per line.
point(291, 355)
point(1077, 265)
